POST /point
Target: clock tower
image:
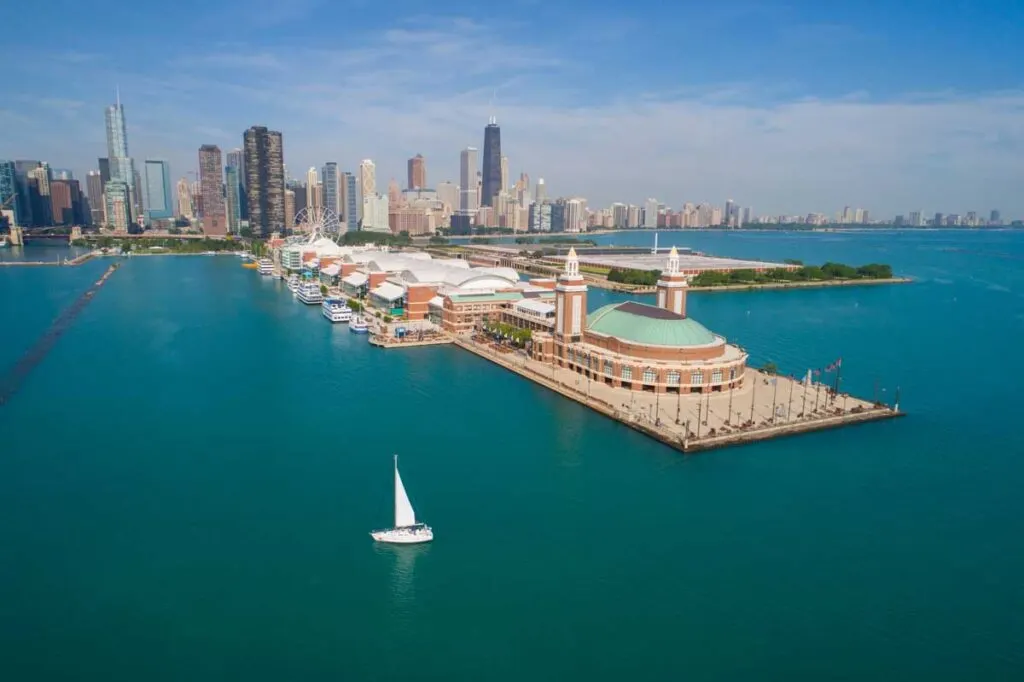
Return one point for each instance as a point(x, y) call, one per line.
point(672, 286)
point(570, 305)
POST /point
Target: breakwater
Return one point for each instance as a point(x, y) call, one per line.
point(12, 381)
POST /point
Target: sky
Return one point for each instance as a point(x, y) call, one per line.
point(788, 107)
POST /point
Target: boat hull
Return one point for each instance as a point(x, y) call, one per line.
point(404, 536)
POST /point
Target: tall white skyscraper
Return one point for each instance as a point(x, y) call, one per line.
point(313, 196)
point(504, 173)
point(375, 213)
point(651, 213)
point(540, 191)
point(469, 194)
point(367, 178)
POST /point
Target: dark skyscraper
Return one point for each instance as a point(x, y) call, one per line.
point(211, 169)
point(264, 180)
point(492, 163)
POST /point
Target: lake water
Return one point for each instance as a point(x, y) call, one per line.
point(188, 480)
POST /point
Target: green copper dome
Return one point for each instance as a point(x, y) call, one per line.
point(647, 324)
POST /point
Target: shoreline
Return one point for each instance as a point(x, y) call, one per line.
point(805, 285)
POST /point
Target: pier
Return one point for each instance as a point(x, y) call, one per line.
point(12, 381)
point(767, 406)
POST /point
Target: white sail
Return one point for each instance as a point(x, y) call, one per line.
point(404, 515)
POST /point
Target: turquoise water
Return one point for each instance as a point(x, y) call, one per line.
point(187, 483)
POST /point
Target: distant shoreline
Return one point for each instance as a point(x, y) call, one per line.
point(804, 285)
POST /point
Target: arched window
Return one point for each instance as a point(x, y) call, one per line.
point(673, 378)
point(627, 373)
point(696, 378)
point(716, 376)
point(609, 368)
point(650, 376)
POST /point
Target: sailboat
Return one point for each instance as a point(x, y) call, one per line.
point(406, 530)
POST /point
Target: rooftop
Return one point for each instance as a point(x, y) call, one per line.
point(650, 325)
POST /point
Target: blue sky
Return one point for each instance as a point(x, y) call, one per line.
point(789, 107)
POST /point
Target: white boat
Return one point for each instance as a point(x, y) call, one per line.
point(358, 325)
point(336, 310)
point(406, 530)
point(293, 282)
point(309, 292)
point(3, 242)
point(266, 266)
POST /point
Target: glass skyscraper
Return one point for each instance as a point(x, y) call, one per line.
point(159, 200)
point(329, 180)
point(350, 202)
point(232, 192)
point(264, 180)
point(492, 163)
point(122, 168)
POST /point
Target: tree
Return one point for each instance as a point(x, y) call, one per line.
point(246, 232)
point(323, 289)
point(355, 305)
point(770, 368)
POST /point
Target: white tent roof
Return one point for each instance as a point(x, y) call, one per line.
point(436, 302)
point(388, 292)
point(532, 305)
point(331, 270)
point(356, 279)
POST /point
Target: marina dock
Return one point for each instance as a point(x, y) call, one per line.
point(765, 407)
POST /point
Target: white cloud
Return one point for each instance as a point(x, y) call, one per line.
point(425, 87)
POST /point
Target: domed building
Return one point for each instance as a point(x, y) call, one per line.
point(638, 346)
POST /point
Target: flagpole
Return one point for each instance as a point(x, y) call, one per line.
point(775, 393)
point(789, 408)
point(803, 408)
point(753, 394)
point(817, 394)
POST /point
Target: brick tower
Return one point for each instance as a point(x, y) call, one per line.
point(570, 305)
point(672, 286)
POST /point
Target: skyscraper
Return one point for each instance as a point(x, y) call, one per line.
point(367, 178)
point(417, 172)
point(185, 209)
point(211, 170)
point(94, 188)
point(9, 191)
point(651, 213)
point(313, 195)
point(159, 204)
point(492, 163)
point(264, 180)
point(540, 192)
point(236, 158)
point(331, 192)
point(504, 173)
point(119, 200)
point(349, 202)
point(467, 180)
point(233, 197)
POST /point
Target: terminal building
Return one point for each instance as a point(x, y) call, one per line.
point(638, 346)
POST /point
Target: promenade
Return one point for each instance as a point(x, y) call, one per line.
point(765, 407)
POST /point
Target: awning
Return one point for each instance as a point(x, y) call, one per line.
point(356, 279)
point(436, 302)
point(331, 270)
point(388, 292)
point(536, 307)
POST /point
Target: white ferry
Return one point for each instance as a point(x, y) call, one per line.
point(266, 266)
point(358, 325)
point(336, 310)
point(309, 292)
point(293, 283)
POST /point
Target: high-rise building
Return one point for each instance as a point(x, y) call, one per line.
point(118, 205)
point(417, 172)
point(332, 195)
point(39, 193)
point(264, 180)
point(233, 197)
point(236, 158)
point(540, 216)
point(994, 218)
point(313, 191)
point(448, 193)
point(104, 164)
point(9, 199)
point(540, 192)
point(576, 215)
point(349, 202)
point(186, 209)
point(468, 197)
point(64, 201)
point(492, 163)
point(375, 213)
point(915, 219)
point(367, 178)
point(94, 188)
point(651, 213)
point(159, 204)
point(211, 170)
point(289, 209)
point(121, 166)
point(504, 173)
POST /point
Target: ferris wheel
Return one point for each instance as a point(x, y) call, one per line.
point(316, 219)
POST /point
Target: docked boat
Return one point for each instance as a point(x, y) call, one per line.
point(265, 267)
point(336, 310)
point(309, 292)
point(293, 283)
point(4, 242)
point(406, 531)
point(358, 325)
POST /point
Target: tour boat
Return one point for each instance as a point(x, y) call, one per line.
point(336, 310)
point(358, 325)
point(3, 242)
point(266, 266)
point(309, 292)
point(293, 282)
point(406, 530)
